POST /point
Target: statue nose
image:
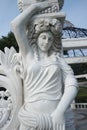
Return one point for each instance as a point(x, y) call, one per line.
point(47, 40)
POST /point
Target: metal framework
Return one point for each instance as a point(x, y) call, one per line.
point(70, 32)
point(73, 32)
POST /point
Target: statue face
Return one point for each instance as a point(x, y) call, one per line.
point(45, 41)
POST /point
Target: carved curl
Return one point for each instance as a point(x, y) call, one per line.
point(43, 25)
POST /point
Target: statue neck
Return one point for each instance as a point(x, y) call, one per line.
point(43, 55)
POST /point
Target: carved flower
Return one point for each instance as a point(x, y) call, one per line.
point(53, 21)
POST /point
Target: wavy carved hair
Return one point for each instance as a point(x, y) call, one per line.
point(43, 25)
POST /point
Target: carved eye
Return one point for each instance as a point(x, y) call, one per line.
point(43, 37)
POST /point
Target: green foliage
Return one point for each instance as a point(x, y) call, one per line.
point(82, 95)
point(79, 68)
point(8, 41)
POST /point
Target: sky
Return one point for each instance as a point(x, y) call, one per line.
point(76, 13)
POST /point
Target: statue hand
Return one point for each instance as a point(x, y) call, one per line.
point(58, 120)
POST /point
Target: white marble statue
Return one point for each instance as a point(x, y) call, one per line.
point(49, 85)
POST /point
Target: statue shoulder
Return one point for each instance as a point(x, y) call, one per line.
point(64, 66)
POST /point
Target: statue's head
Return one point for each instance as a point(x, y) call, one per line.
point(45, 41)
point(42, 28)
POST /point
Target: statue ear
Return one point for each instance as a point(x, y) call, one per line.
point(10, 89)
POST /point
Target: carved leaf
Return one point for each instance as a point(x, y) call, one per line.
point(6, 58)
point(10, 89)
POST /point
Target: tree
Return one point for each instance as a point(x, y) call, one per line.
point(8, 41)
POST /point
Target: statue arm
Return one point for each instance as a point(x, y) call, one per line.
point(70, 85)
point(70, 92)
point(58, 116)
point(18, 26)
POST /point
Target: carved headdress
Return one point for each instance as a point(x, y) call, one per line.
point(51, 12)
point(58, 4)
point(50, 19)
point(44, 24)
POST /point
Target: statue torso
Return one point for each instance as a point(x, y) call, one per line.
point(43, 80)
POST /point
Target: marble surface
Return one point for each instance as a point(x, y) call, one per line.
point(42, 84)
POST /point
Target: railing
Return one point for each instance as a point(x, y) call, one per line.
point(79, 106)
point(72, 44)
